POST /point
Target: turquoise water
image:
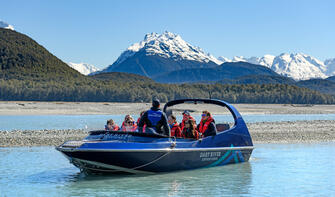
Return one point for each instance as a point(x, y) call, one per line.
point(273, 170)
point(31, 122)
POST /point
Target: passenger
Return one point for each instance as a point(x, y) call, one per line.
point(155, 119)
point(129, 125)
point(141, 114)
point(138, 121)
point(189, 130)
point(186, 116)
point(111, 126)
point(174, 126)
point(126, 118)
point(207, 125)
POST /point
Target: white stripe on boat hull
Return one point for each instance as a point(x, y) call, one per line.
point(155, 150)
point(110, 168)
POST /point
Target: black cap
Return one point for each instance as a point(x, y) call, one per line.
point(155, 103)
point(186, 112)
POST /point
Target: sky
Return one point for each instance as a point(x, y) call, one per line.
point(97, 32)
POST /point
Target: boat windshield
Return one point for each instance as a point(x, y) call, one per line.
point(222, 116)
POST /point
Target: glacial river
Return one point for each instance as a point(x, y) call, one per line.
point(273, 170)
point(90, 122)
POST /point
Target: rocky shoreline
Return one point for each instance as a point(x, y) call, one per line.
point(263, 132)
point(81, 108)
point(293, 131)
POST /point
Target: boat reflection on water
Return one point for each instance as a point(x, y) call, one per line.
point(229, 180)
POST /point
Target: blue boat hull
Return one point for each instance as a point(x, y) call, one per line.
point(157, 161)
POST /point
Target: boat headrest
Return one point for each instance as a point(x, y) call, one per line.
point(222, 127)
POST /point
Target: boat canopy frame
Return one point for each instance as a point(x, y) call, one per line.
point(196, 101)
point(221, 103)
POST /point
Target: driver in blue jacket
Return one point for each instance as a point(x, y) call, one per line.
point(155, 120)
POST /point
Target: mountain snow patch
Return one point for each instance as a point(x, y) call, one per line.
point(298, 66)
point(6, 25)
point(83, 68)
point(168, 45)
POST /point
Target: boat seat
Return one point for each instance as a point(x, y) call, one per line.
point(222, 127)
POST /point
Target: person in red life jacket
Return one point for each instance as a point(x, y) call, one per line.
point(138, 121)
point(155, 120)
point(129, 125)
point(139, 118)
point(111, 126)
point(174, 126)
point(207, 125)
point(186, 116)
point(125, 120)
point(189, 130)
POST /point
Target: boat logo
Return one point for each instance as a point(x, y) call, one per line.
point(209, 156)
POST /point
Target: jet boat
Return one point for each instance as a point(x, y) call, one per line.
point(137, 152)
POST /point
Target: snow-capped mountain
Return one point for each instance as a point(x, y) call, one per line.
point(83, 68)
point(167, 52)
point(298, 66)
point(161, 53)
point(266, 60)
point(224, 59)
point(330, 63)
point(239, 59)
point(6, 25)
point(168, 45)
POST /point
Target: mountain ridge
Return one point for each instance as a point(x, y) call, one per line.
point(228, 70)
point(6, 25)
point(168, 45)
point(298, 66)
point(161, 53)
point(83, 68)
point(153, 65)
point(22, 57)
point(170, 49)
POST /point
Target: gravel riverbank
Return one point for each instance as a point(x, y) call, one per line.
point(265, 132)
point(81, 108)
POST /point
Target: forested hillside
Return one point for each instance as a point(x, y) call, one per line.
point(23, 58)
point(113, 91)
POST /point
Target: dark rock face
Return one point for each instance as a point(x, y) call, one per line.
point(154, 65)
point(230, 70)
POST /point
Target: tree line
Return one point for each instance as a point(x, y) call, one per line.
point(91, 90)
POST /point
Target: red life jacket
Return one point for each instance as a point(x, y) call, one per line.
point(115, 128)
point(176, 130)
point(133, 128)
point(203, 127)
point(183, 122)
point(193, 135)
point(144, 126)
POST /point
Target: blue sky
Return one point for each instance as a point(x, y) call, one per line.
point(96, 32)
